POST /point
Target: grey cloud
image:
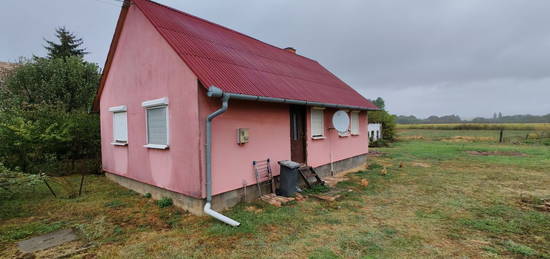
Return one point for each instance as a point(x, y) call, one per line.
point(425, 57)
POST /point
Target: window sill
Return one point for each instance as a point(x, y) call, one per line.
point(356, 134)
point(318, 137)
point(344, 136)
point(156, 146)
point(119, 144)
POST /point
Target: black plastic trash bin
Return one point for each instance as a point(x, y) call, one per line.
point(289, 178)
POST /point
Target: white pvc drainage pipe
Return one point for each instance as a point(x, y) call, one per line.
point(219, 216)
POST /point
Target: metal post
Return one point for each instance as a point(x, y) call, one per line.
point(81, 183)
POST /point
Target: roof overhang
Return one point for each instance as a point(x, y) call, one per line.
point(214, 91)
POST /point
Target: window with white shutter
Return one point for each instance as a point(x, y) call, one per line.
point(157, 123)
point(317, 123)
point(355, 123)
point(120, 125)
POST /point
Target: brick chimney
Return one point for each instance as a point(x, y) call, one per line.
point(291, 49)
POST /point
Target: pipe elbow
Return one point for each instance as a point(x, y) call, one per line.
point(207, 209)
point(214, 92)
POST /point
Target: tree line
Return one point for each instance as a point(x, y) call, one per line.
point(411, 119)
point(45, 126)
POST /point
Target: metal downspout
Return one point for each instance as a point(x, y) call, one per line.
point(214, 92)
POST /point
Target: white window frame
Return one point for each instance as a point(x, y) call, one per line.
point(114, 110)
point(312, 130)
point(354, 123)
point(155, 104)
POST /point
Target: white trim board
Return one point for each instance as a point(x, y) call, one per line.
point(157, 102)
point(121, 108)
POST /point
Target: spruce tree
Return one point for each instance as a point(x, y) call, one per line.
point(69, 45)
point(379, 102)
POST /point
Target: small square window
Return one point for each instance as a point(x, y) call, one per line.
point(120, 125)
point(157, 123)
point(157, 126)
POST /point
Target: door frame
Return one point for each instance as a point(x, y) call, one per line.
point(303, 110)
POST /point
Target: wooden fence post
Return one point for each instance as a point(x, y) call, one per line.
point(500, 139)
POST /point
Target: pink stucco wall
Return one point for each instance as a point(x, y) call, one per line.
point(319, 151)
point(269, 137)
point(269, 129)
point(145, 68)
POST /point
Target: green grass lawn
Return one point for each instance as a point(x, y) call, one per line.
point(436, 200)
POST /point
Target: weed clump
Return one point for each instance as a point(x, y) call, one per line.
point(374, 166)
point(147, 195)
point(165, 202)
point(316, 189)
point(114, 204)
point(519, 248)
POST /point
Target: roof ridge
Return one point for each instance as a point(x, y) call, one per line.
point(223, 27)
point(233, 48)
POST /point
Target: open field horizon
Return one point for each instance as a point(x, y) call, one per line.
point(478, 126)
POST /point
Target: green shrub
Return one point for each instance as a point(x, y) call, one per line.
point(165, 202)
point(387, 120)
point(147, 195)
point(44, 123)
point(12, 182)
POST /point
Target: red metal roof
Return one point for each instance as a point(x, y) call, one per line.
point(240, 64)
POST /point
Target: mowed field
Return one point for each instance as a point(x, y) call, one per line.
point(433, 194)
point(479, 126)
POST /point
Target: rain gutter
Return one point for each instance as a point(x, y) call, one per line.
point(246, 97)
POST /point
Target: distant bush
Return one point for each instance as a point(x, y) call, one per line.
point(383, 117)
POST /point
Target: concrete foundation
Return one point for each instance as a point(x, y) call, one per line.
point(194, 205)
point(341, 166)
point(229, 199)
point(191, 204)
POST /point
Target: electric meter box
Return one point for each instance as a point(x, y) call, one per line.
point(242, 136)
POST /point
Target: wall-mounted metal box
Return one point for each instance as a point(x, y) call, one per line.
point(242, 136)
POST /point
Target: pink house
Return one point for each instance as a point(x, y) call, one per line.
point(176, 89)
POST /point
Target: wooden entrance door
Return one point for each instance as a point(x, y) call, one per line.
point(298, 134)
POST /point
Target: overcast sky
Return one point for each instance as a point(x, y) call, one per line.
point(465, 57)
